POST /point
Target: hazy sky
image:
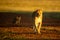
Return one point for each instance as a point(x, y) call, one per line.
point(30, 5)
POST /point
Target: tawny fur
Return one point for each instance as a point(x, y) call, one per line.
point(38, 21)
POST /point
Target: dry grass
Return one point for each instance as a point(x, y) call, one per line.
point(23, 33)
